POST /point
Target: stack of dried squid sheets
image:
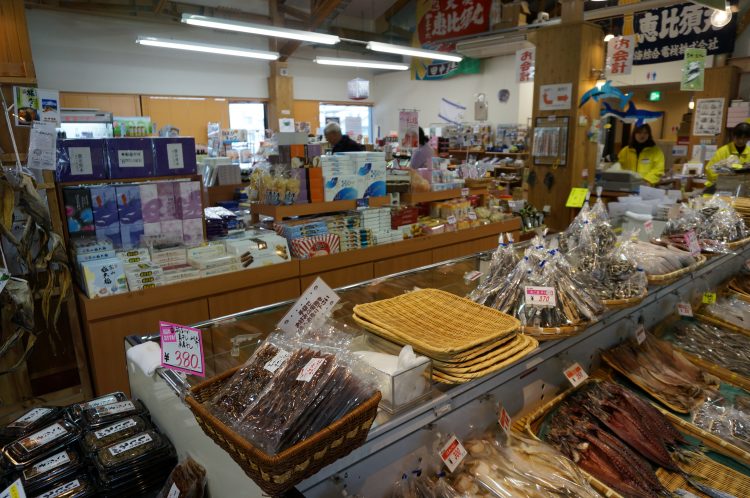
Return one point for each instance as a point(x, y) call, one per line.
point(628, 446)
point(465, 340)
point(729, 312)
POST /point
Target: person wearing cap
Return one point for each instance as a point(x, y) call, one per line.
point(340, 142)
point(737, 147)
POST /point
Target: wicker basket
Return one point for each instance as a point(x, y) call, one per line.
point(620, 303)
point(554, 333)
point(738, 243)
point(721, 323)
point(279, 473)
point(668, 277)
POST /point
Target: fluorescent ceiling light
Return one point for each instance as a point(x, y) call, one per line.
point(206, 48)
point(414, 52)
point(259, 29)
point(330, 61)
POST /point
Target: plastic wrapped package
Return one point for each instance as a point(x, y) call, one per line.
point(443, 489)
point(729, 420)
point(54, 468)
point(96, 439)
point(729, 349)
point(28, 449)
point(731, 310)
point(78, 486)
point(104, 415)
point(129, 454)
point(658, 260)
point(614, 275)
point(504, 259)
point(29, 422)
point(715, 224)
point(568, 240)
point(187, 480)
point(74, 412)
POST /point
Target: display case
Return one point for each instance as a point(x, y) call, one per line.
point(406, 440)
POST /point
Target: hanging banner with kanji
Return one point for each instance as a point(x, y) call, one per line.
point(525, 59)
point(441, 20)
point(665, 34)
point(620, 55)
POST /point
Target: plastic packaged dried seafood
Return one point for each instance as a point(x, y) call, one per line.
point(187, 480)
point(74, 412)
point(731, 310)
point(29, 422)
point(722, 347)
point(27, 449)
point(504, 259)
point(96, 439)
point(659, 260)
point(568, 240)
point(51, 469)
point(728, 419)
point(79, 486)
point(103, 415)
point(715, 224)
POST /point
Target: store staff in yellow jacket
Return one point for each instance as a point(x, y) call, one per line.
point(737, 147)
point(643, 156)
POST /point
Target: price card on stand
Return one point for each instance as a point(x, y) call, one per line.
point(576, 374)
point(318, 299)
point(577, 197)
point(709, 297)
point(182, 349)
point(540, 296)
point(640, 334)
point(684, 309)
point(691, 241)
point(472, 215)
point(453, 453)
point(503, 419)
point(15, 490)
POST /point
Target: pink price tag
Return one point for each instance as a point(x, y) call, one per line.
point(453, 453)
point(576, 374)
point(182, 349)
point(691, 241)
point(640, 334)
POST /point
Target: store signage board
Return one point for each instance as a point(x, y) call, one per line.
point(577, 197)
point(525, 64)
point(540, 296)
point(15, 490)
point(709, 119)
point(453, 453)
point(684, 309)
point(42, 146)
point(504, 420)
point(319, 299)
point(182, 349)
point(575, 374)
point(36, 105)
point(693, 70)
point(620, 51)
point(556, 97)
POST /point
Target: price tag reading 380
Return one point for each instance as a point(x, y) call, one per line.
point(182, 349)
point(540, 296)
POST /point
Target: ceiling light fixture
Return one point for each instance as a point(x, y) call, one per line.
point(413, 52)
point(206, 48)
point(720, 18)
point(259, 29)
point(330, 61)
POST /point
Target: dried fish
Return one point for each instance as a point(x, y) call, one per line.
point(504, 259)
point(730, 350)
point(715, 223)
point(730, 310)
point(659, 260)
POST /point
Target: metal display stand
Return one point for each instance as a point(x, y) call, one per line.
point(409, 440)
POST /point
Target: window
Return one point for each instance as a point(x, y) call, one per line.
point(250, 116)
point(355, 120)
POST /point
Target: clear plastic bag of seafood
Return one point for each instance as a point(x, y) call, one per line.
point(617, 274)
point(568, 240)
point(659, 260)
point(730, 420)
point(731, 310)
point(504, 259)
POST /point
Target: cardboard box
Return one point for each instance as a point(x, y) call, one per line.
point(106, 216)
point(373, 176)
point(339, 188)
point(211, 250)
point(131, 216)
point(207, 263)
point(172, 230)
point(192, 231)
point(93, 256)
point(81, 159)
point(188, 200)
point(91, 244)
point(130, 158)
point(80, 217)
point(175, 256)
point(103, 277)
point(150, 202)
point(174, 156)
point(513, 14)
point(167, 204)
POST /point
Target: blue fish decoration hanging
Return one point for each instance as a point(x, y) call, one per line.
point(607, 91)
point(631, 115)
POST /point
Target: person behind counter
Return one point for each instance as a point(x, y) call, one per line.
point(642, 155)
point(340, 142)
point(422, 157)
point(737, 147)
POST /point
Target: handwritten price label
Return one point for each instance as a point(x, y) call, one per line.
point(504, 420)
point(540, 296)
point(15, 490)
point(576, 374)
point(640, 334)
point(453, 453)
point(648, 226)
point(182, 349)
point(684, 309)
point(318, 299)
point(709, 297)
point(691, 241)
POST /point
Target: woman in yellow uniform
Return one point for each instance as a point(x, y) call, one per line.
point(642, 155)
point(737, 147)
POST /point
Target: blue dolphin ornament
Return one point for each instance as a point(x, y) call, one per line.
point(607, 91)
point(631, 115)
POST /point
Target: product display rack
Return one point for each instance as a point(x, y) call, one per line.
point(408, 440)
point(282, 211)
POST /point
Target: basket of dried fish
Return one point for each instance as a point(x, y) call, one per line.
point(729, 312)
point(740, 286)
point(716, 224)
point(717, 350)
point(629, 447)
point(663, 264)
point(689, 392)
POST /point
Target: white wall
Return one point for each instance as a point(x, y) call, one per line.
point(395, 90)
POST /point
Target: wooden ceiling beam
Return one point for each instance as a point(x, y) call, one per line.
point(293, 12)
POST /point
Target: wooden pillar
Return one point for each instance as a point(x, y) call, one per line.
point(718, 82)
point(567, 53)
point(280, 94)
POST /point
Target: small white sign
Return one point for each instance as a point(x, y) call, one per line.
point(525, 62)
point(640, 334)
point(504, 420)
point(620, 51)
point(472, 215)
point(451, 220)
point(308, 372)
point(648, 226)
point(182, 349)
point(555, 97)
point(131, 443)
point(175, 159)
point(274, 363)
point(684, 309)
point(453, 453)
point(174, 491)
point(540, 296)
point(473, 275)
point(130, 158)
point(576, 374)
point(465, 192)
point(80, 161)
point(318, 299)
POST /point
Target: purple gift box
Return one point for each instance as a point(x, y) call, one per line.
point(130, 157)
point(167, 206)
point(131, 215)
point(150, 203)
point(81, 159)
point(106, 216)
point(174, 156)
point(301, 174)
point(188, 200)
point(192, 231)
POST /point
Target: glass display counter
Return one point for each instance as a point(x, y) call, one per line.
point(396, 442)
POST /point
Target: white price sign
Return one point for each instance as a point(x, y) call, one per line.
point(451, 220)
point(453, 453)
point(504, 420)
point(4, 278)
point(464, 192)
point(318, 299)
point(540, 296)
point(648, 226)
point(691, 240)
point(640, 334)
point(576, 374)
point(15, 490)
point(182, 349)
point(684, 309)
point(473, 275)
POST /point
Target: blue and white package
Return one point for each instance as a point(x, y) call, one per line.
point(106, 217)
point(373, 173)
point(103, 277)
point(131, 216)
point(342, 188)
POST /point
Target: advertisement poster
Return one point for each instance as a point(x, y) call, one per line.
point(525, 59)
point(408, 128)
point(620, 51)
point(555, 97)
point(441, 20)
point(36, 104)
point(693, 70)
point(709, 117)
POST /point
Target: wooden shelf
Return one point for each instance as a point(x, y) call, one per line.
point(11, 158)
point(489, 153)
point(223, 192)
point(441, 195)
point(280, 212)
point(198, 178)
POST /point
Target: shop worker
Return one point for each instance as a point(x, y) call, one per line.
point(340, 142)
point(422, 156)
point(642, 155)
point(737, 147)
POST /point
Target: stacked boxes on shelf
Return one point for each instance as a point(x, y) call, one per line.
point(378, 222)
point(353, 175)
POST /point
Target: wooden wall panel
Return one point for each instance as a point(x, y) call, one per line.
point(117, 104)
point(719, 82)
point(401, 263)
point(106, 338)
point(340, 278)
point(190, 115)
point(307, 110)
point(245, 299)
point(16, 63)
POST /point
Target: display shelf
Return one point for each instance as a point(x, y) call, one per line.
point(284, 211)
point(115, 181)
point(223, 192)
point(441, 195)
point(488, 153)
